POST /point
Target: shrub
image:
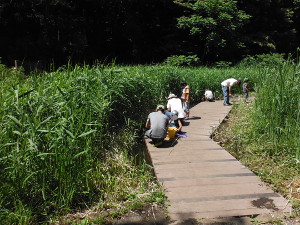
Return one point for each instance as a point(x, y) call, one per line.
point(182, 60)
point(263, 60)
point(277, 107)
point(223, 64)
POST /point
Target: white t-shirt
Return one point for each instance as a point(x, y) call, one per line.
point(175, 104)
point(208, 94)
point(229, 82)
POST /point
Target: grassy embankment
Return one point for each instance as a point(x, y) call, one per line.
point(265, 135)
point(71, 139)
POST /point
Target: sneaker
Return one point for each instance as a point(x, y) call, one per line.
point(158, 144)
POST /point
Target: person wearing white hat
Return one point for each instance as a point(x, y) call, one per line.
point(175, 103)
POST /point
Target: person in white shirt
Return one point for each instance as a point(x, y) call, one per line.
point(208, 95)
point(175, 103)
point(227, 88)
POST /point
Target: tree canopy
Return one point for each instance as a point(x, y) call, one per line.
point(140, 31)
point(217, 24)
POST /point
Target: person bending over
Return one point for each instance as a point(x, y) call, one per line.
point(157, 123)
point(227, 88)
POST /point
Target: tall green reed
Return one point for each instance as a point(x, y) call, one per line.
point(67, 136)
point(278, 107)
point(47, 139)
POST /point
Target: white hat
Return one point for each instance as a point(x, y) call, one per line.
point(160, 107)
point(172, 96)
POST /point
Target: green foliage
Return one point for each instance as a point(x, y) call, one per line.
point(182, 60)
point(8, 74)
point(215, 23)
point(68, 138)
point(158, 197)
point(223, 64)
point(264, 60)
point(142, 31)
point(60, 145)
point(277, 107)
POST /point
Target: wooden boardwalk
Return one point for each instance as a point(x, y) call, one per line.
point(202, 180)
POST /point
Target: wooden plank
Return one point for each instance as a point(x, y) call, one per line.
point(202, 180)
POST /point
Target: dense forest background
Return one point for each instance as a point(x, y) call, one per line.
point(143, 31)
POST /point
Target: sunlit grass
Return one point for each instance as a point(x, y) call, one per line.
point(277, 107)
point(70, 138)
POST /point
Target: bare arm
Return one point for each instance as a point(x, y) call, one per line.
point(229, 90)
point(187, 97)
point(148, 124)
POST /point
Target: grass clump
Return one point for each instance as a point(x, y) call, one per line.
point(277, 108)
point(70, 138)
point(61, 147)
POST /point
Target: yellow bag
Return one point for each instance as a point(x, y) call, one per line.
point(171, 132)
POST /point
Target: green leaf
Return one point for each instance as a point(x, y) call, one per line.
point(15, 120)
point(70, 133)
point(17, 132)
point(86, 133)
point(79, 154)
point(44, 131)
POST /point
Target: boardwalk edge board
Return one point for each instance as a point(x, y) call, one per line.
point(202, 180)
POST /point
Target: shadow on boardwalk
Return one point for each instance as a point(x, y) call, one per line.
point(202, 180)
point(158, 217)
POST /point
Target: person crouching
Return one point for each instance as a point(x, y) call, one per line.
point(157, 123)
point(209, 96)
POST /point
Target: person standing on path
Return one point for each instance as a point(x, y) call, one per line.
point(246, 89)
point(157, 123)
point(185, 97)
point(227, 89)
